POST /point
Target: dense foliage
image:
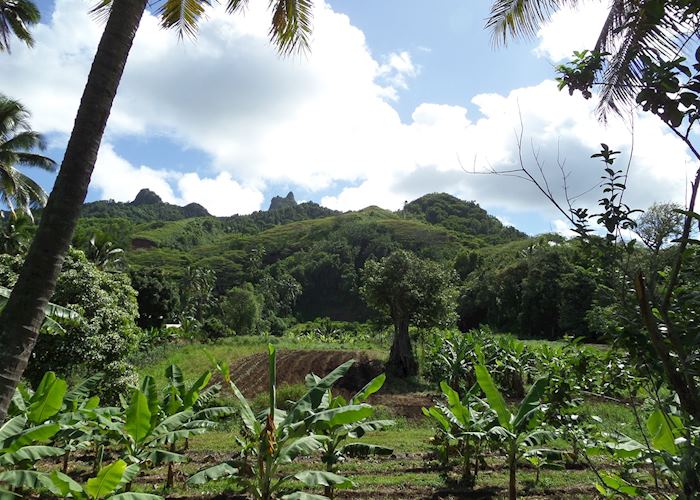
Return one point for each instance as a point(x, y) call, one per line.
point(102, 337)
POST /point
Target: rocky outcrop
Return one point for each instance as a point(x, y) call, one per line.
point(278, 202)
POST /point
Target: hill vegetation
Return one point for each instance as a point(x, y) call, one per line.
point(322, 249)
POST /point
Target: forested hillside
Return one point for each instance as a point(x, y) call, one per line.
point(320, 249)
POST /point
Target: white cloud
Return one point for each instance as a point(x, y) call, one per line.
point(572, 28)
point(397, 69)
point(119, 180)
point(325, 122)
point(220, 195)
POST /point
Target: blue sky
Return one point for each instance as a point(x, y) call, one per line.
point(394, 100)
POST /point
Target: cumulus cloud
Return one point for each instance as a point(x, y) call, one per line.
point(572, 28)
point(221, 195)
point(327, 122)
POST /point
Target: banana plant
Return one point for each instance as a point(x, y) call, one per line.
point(179, 398)
point(520, 431)
point(149, 433)
point(21, 446)
point(466, 423)
point(107, 484)
point(274, 438)
point(340, 420)
point(53, 312)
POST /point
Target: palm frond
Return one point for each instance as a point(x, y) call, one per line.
point(291, 25)
point(234, 6)
point(16, 16)
point(34, 160)
point(13, 116)
point(101, 10)
point(632, 31)
point(24, 141)
point(520, 18)
point(182, 15)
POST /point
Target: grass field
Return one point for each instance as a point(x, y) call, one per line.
point(411, 472)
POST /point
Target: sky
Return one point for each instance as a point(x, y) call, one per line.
point(394, 100)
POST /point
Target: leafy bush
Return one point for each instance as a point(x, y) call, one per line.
point(101, 338)
point(213, 328)
point(241, 309)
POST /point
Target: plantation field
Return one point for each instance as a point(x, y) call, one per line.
point(411, 471)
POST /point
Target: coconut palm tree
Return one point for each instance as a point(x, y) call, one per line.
point(15, 18)
point(658, 29)
point(21, 318)
point(17, 141)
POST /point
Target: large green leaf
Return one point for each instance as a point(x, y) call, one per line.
point(129, 475)
point(191, 396)
point(313, 478)
point(33, 435)
point(82, 390)
point(212, 474)
point(372, 387)
point(12, 428)
point(176, 379)
point(24, 479)
point(302, 446)
point(314, 395)
point(343, 415)
point(107, 480)
point(174, 422)
point(138, 417)
point(245, 410)
point(150, 390)
point(360, 429)
point(62, 485)
point(493, 395)
point(530, 404)
point(662, 435)
point(47, 402)
point(158, 457)
point(31, 454)
point(435, 413)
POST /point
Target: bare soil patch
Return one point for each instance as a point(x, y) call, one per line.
point(251, 377)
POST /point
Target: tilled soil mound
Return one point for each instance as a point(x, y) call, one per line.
point(250, 373)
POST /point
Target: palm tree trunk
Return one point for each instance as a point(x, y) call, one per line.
point(22, 317)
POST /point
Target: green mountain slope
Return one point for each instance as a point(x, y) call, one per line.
point(322, 249)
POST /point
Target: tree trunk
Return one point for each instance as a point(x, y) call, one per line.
point(402, 362)
point(23, 315)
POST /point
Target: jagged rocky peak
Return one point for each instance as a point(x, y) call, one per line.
point(279, 202)
point(146, 197)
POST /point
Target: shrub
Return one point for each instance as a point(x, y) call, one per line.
point(102, 337)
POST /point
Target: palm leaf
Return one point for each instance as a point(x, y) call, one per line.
point(15, 18)
point(520, 18)
point(182, 15)
point(291, 25)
